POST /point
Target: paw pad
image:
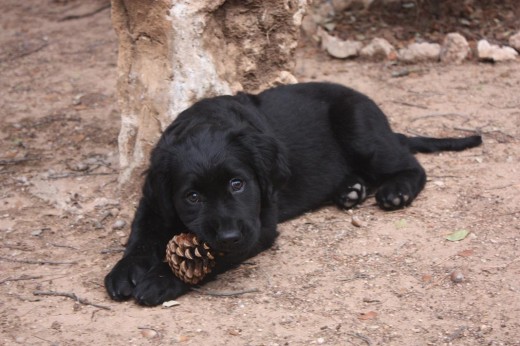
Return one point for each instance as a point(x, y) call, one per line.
point(394, 202)
point(353, 196)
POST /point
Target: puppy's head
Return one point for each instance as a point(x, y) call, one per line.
point(216, 174)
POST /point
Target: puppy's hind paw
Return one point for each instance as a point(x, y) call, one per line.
point(351, 196)
point(393, 197)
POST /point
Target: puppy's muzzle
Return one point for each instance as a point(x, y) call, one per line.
point(229, 239)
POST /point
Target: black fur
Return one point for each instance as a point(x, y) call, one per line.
point(230, 168)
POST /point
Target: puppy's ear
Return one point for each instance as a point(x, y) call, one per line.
point(269, 159)
point(158, 184)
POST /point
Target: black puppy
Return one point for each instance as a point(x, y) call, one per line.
point(230, 168)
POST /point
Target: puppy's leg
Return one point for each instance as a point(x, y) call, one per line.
point(400, 189)
point(352, 191)
point(374, 152)
point(142, 273)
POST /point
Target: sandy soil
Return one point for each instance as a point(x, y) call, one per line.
point(325, 281)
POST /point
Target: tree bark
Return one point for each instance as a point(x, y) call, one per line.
point(175, 52)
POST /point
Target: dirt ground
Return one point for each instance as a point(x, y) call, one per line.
point(326, 281)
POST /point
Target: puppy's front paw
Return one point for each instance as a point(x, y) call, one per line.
point(351, 195)
point(159, 285)
point(125, 275)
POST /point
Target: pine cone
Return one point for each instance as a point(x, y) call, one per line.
point(189, 260)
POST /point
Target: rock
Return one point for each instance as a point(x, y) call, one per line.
point(163, 68)
point(457, 276)
point(379, 48)
point(338, 48)
point(494, 53)
point(356, 221)
point(119, 224)
point(514, 41)
point(416, 52)
point(454, 49)
point(341, 5)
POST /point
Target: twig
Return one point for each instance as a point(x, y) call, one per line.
point(410, 104)
point(465, 129)
point(21, 278)
point(42, 339)
point(405, 72)
point(26, 53)
point(8, 259)
point(112, 250)
point(435, 115)
point(456, 334)
point(224, 293)
point(362, 337)
point(84, 15)
point(64, 246)
point(7, 162)
point(75, 175)
point(505, 107)
point(71, 296)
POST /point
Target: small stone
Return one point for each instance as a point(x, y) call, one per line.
point(455, 48)
point(514, 41)
point(457, 276)
point(420, 52)
point(119, 224)
point(320, 341)
point(379, 48)
point(494, 53)
point(341, 5)
point(104, 202)
point(80, 167)
point(485, 329)
point(37, 233)
point(338, 48)
point(149, 333)
point(356, 221)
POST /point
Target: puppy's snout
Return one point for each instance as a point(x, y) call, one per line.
point(229, 238)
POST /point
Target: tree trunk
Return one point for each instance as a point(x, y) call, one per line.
point(174, 52)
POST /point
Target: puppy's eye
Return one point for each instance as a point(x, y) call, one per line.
point(193, 197)
point(237, 185)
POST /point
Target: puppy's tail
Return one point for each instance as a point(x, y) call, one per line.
point(431, 145)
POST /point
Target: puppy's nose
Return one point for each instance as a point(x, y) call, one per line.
point(229, 238)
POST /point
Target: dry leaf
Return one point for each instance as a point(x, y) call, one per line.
point(365, 316)
point(426, 278)
point(170, 303)
point(466, 253)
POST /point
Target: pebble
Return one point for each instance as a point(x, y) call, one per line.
point(119, 224)
point(37, 233)
point(148, 333)
point(457, 276)
point(356, 221)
